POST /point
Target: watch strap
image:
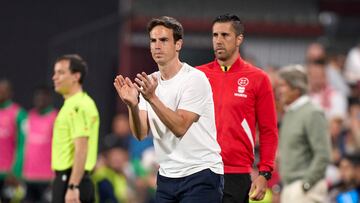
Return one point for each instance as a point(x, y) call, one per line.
point(266, 174)
point(73, 186)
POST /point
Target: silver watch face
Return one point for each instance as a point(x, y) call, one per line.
point(267, 175)
point(306, 186)
point(64, 178)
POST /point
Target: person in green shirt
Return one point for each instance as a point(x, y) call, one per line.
point(75, 137)
point(304, 141)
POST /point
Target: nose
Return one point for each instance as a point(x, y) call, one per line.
point(217, 39)
point(157, 44)
point(54, 77)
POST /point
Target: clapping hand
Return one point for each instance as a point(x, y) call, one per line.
point(127, 90)
point(146, 85)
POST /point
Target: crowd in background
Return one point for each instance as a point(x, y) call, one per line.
point(126, 169)
point(334, 86)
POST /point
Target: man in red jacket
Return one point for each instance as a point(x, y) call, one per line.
point(243, 99)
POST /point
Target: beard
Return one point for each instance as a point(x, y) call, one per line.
point(223, 54)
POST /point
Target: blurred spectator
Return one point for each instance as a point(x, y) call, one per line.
point(37, 159)
point(315, 52)
point(12, 118)
point(334, 70)
point(110, 178)
point(151, 168)
point(138, 176)
point(272, 72)
point(303, 159)
point(332, 102)
point(337, 135)
point(347, 178)
point(351, 180)
point(121, 130)
point(347, 172)
point(353, 139)
point(352, 65)
point(145, 183)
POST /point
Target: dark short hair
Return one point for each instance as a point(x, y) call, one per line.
point(353, 158)
point(168, 22)
point(6, 81)
point(43, 89)
point(319, 61)
point(77, 65)
point(235, 22)
point(112, 141)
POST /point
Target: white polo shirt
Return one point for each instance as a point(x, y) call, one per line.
point(198, 149)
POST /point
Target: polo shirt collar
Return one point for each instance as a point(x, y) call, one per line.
point(73, 97)
point(299, 102)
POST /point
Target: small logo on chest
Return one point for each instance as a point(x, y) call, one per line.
point(242, 82)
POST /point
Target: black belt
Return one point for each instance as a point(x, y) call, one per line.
point(68, 172)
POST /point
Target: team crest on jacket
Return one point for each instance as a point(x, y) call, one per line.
point(242, 82)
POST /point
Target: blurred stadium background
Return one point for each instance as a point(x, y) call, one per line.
point(111, 36)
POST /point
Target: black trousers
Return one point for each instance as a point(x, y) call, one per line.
point(236, 188)
point(3, 199)
point(202, 187)
point(60, 184)
point(37, 192)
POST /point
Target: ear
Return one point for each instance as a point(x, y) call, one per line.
point(178, 45)
point(239, 40)
point(77, 76)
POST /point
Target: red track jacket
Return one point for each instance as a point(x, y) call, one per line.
point(243, 98)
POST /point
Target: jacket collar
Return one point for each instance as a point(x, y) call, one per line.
point(236, 66)
point(299, 102)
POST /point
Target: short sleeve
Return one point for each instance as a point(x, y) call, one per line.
point(196, 94)
point(83, 119)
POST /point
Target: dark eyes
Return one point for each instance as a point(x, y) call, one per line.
point(221, 34)
point(161, 40)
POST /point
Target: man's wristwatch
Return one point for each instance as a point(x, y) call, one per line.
point(306, 186)
point(73, 186)
point(266, 174)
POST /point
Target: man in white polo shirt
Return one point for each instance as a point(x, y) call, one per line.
point(176, 104)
